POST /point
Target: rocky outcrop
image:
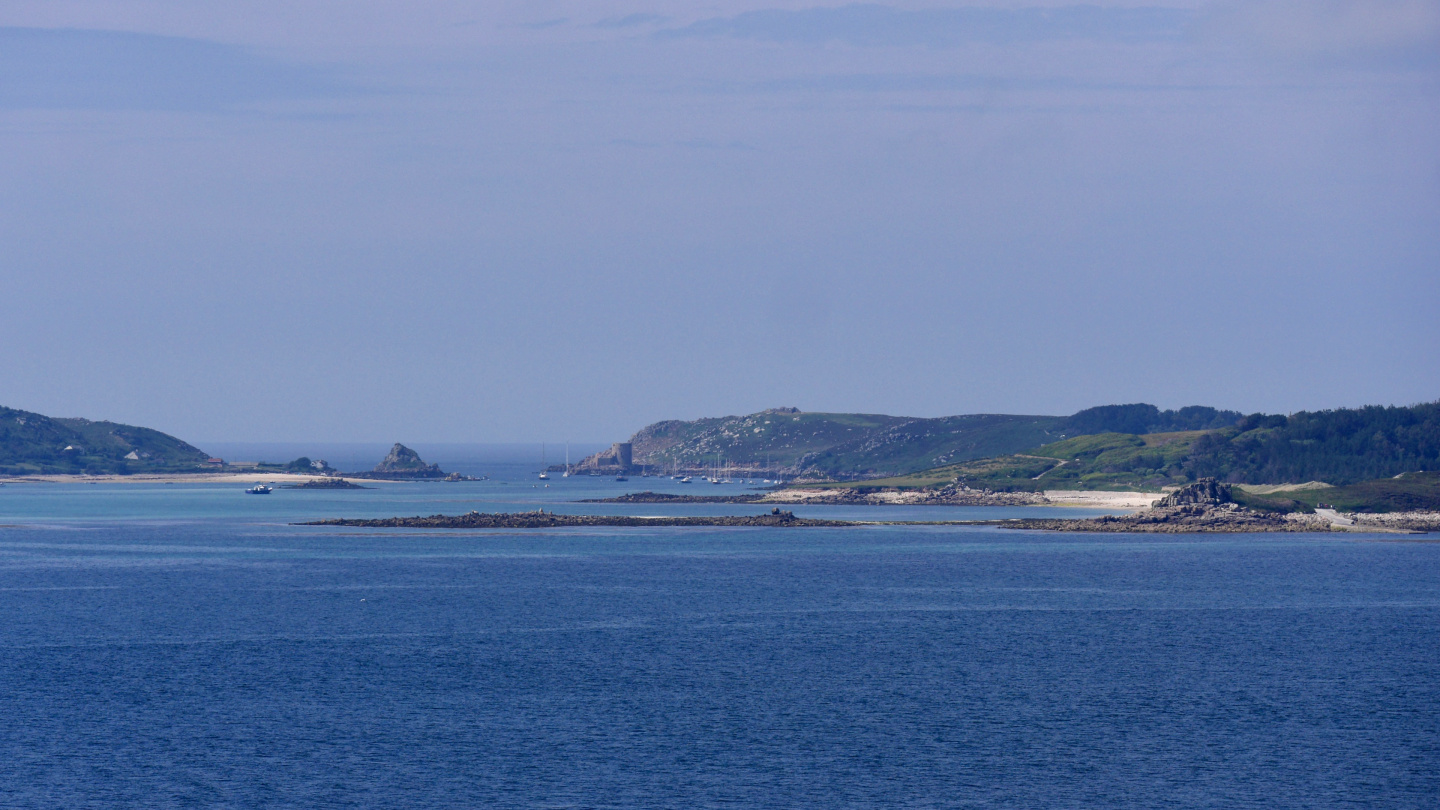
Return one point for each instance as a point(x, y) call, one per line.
point(402, 464)
point(403, 459)
point(1206, 491)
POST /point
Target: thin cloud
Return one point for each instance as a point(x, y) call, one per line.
point(884, 26)
point(543, 25)
point(632, 20)
point(1374, 31)
point(117, 70)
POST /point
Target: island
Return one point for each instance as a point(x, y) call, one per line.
point(325, 483)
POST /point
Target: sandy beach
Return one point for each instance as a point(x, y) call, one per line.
point(1102, 500)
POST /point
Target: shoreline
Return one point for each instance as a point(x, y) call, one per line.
point(1189, 522)
point(170, 478)
point(1094, 499)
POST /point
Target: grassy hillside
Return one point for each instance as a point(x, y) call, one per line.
point(31, 443)
point(1416, 491)
point(849, 446)
point(1103, 461)
point(779, 437)
point(922, 443)
point(838, 445)
point(1344, 447)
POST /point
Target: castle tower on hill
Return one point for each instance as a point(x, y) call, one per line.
point(623, 453)
point(618, 459)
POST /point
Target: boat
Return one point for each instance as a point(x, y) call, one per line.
point(685, 480)
point(621, 478)
point(544, 476)
point(258, 489)
point(566, 474)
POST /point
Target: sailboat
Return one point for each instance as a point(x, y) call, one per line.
point(566, 474)
point(544, 476)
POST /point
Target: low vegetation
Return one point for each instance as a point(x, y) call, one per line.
point(31, 443)
point(1361, 450)
point(846, 446)
point(1408, 492)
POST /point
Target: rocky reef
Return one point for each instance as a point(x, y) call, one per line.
point(949, 495)
point(940, 496)
point(666, 497)
point(326, 483)
point(550, 520)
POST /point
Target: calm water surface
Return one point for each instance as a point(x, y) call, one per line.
point(183, 646)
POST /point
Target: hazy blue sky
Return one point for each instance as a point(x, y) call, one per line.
point(465, 221)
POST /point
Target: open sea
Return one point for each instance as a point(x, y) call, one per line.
point(183, 645)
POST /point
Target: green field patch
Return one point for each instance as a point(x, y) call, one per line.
point(1408, 492)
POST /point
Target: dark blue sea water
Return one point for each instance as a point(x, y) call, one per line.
point(181, 646)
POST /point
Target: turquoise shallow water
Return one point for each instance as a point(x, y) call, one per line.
point(183, 646)
point(109, 502)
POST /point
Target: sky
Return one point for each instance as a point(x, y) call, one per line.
point(545, 221)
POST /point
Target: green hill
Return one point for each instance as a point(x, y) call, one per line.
point(31, 443)
point(844, 446)
point(835, 445)
point(779, 438)
point(1344, 447)
point(1101, 461)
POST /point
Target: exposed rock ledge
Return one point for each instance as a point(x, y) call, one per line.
point(1187, 519)
point(666, 497)
point(326, 483)
point(1402, 521)
point(550, 520)
point(950, 495)
point(944, 496)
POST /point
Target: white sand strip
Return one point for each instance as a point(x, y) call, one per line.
point(1102, 500)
